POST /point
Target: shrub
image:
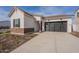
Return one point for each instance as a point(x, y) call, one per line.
point(1, 32)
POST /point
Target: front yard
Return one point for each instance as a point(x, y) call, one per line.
point(9, 42)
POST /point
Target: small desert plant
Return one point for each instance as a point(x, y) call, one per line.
point(1, 32)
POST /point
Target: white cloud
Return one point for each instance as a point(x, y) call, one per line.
point(3, 15)
point(49, 10)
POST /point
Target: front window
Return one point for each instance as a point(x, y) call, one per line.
point(16, 22)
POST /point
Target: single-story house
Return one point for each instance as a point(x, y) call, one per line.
point(23, 22)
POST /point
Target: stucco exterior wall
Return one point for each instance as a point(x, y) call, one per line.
point(30, 22)
point(38, 18)
point(69, 25)
point(38, 25)
point(18, 14)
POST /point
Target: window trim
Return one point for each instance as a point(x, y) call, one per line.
point(16, 22)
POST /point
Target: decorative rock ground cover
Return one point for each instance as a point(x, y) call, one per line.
point(9, 42)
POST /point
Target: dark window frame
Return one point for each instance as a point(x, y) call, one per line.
point(16, 22)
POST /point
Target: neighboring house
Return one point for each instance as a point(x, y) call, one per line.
point(4, 23)
point(4, 26)
point(23, 22)
point(77, 20)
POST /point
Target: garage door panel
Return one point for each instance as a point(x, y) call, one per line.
point(64, 26)
point(56, 26)
point(51, 26)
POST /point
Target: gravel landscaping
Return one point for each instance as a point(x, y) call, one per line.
point(9, 42)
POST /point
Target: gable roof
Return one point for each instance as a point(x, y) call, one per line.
point(11, 12)
point(14, 8)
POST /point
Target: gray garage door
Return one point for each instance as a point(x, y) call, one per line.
point(60, 26)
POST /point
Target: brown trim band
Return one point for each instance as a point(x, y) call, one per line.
point(22, 30)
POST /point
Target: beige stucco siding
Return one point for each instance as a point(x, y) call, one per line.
point(69, 25)
point(18, 14)
point(30, 22)
point(38, 24)
point(38, 18)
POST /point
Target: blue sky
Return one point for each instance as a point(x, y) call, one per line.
point(42, 10)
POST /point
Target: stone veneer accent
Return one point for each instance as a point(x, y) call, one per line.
point(22, 30)
point(17, 30)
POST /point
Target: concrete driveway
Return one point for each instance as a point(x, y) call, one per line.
point(50, 42)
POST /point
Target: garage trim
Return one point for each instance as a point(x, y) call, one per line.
point(69, 23)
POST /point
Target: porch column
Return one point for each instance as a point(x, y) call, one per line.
point(43, 26)
point(69, 25)
point(40, 26)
